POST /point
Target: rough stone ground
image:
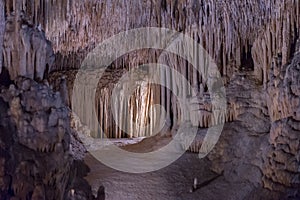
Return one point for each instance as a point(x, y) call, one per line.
point(172, 183)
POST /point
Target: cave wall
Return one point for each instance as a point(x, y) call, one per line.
point(40, 156)
point(2, 29)
point(282, 161)
point(29, 138)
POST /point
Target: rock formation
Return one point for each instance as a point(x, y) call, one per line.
point(282, 162)
point(254, 43)
point(27, 52)
point(252, 53)
point(41, 156)
point(35, 141)
point(227, 29)
point(46, 138)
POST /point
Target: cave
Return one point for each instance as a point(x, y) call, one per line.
point(156, 99)
point(247, 63)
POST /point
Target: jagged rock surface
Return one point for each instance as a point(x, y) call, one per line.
point(36, 161)
point(282, 163)
point(32, 131)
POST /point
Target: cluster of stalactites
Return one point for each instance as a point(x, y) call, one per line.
point(228, 30)
point(235, 24)
point(273, 48)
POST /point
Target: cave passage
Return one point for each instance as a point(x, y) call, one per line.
point(247, 63)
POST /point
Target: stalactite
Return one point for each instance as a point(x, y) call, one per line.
point(131, 115)
point(217, 21)
point(264, 48)
point(226, 29)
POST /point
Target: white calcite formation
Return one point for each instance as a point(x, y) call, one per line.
point(234, 33)
point(135, 114)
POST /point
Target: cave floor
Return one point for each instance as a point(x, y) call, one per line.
point(172, 182)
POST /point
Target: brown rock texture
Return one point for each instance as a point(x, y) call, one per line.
point(282, 164)
point(34, 122)
point(35, 140)
point(262, 143)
